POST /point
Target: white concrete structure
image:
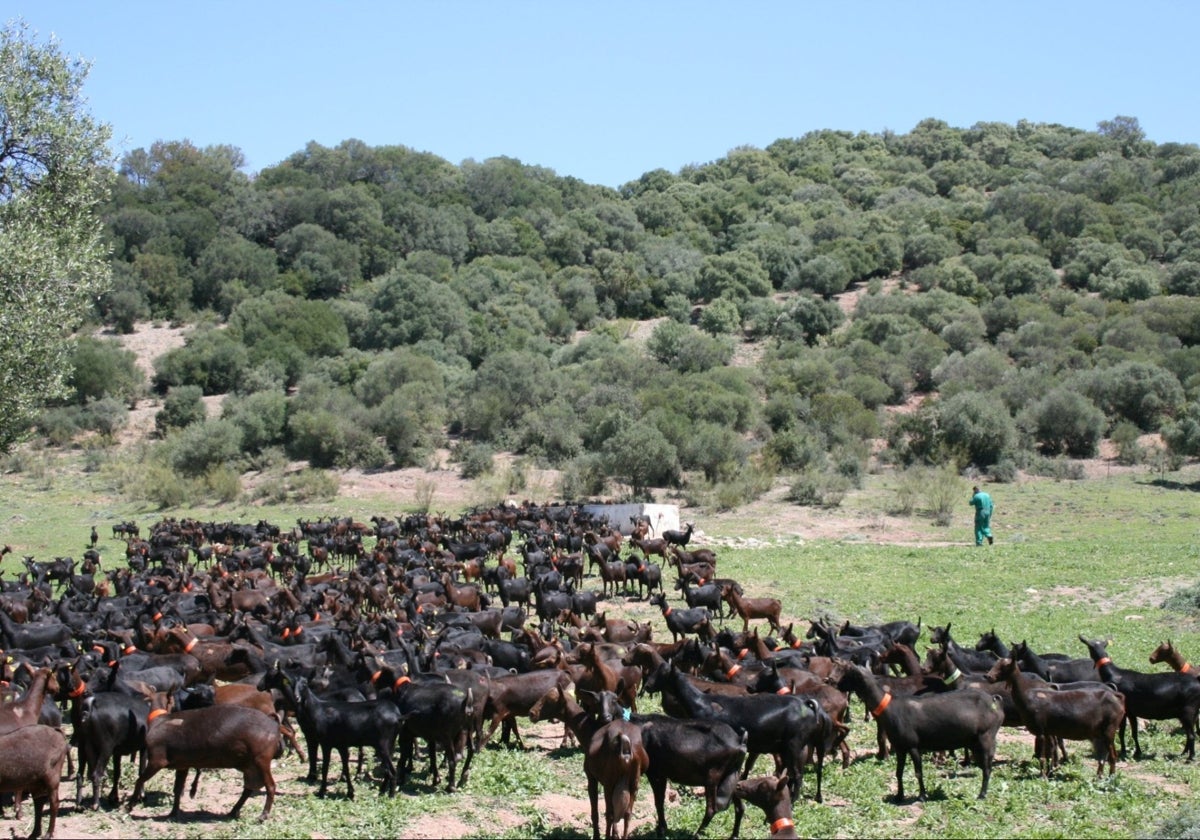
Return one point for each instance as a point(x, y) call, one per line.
point(662, 517)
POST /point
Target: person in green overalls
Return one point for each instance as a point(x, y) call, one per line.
point(982, 503)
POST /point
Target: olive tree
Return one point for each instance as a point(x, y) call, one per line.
point(55, 169)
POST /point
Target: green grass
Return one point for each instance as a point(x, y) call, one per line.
point(1095, 557)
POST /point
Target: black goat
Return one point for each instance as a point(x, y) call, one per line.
point(696, 620)
point(442, 715)
point(930, 723)
point(790, 726)
point(340, 725)
point(679, 538)
point(691, 753)
point(1155, 696)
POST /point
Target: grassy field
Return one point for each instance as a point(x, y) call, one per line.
point(1096, 557)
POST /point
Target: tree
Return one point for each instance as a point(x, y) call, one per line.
point(55, 169)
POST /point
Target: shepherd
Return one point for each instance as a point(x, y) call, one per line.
point(982, 503)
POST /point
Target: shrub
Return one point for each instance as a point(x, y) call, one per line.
point(583, 477)
point(1184, 824)
point(200, 447)
point(474, 459)
point(210, 359)
point(1129, 451)
point(1004, 471)
point(944, 494)
point(817, 489)
point(423, 493)
point(104, 368)
point(1064, 421)
point(909, 490)
point(182, 407)
point(223, 483)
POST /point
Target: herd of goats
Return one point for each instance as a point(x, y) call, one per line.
point(211, 643)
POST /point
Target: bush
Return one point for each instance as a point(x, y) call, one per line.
point(1064, 421)
point(909, 490)
point(200, 447)
point(1129, 451)
point(474, 459)
point(104, 369)
point(223, 483)
point(164, 488)
point(817, 489)
point(1184, 824)
point(583, 477)
point(1004, 471)
point(945, 492)
point(182, 407)
point(1186, 600)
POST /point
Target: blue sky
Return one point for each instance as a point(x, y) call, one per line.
point(605, 91)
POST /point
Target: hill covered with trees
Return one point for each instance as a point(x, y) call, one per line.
point(1036, 286)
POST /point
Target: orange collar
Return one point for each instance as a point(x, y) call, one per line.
point(732, 671)
point(155, 714)
point(129, 651)
point(666, 612)
point(1186, 667)
point(188, 647)
point(796, 643)
point(883, 704)
point(780, 824)
point(78, 691)
point(157, 617)
point(399, 682)
point(743, 654)
point(787, 689)
point(1103, 661)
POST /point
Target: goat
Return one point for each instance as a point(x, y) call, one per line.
point(784, 725)
point(33, 764)
point(1073, 714)
point(340, 725)
point(707, 753)
point(28, 709)
point(1156, 696)
point(928, 723)
point(771, 794)
point(614, 756)
point(650, 546)
point(1167, 653)
point(441, 714)
point(708, 595)
point(105, 726)
point(677, 537)
point(220, 736)
point(512, 697)
point(748, 608)
point(684, 622)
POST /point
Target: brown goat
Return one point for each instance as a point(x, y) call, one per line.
point(218, 736)
point(33, 764)
point(28, 709)
point(613, 757)
point(748, 608)
point(771, 794)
